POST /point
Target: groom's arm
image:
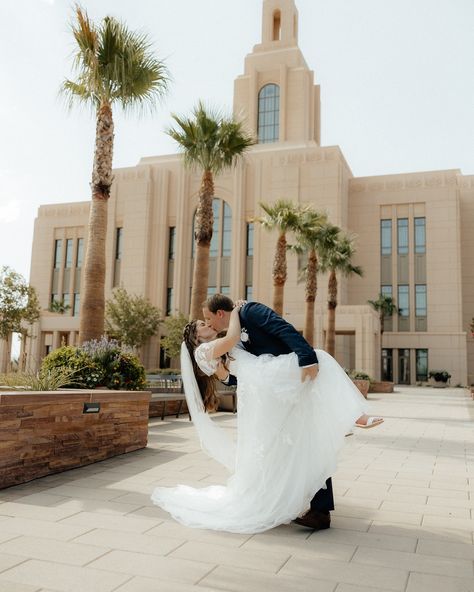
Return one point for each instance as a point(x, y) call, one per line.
point(272, 324)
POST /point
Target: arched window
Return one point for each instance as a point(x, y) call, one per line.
point(269, 114)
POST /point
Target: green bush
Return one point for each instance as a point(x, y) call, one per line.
point(87, 372)
point(439, 375)
point(358, 375)
point(98, 363)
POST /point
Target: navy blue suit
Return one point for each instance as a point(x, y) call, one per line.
point(268, 333)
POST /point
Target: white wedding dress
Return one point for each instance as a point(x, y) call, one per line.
point(288, 437)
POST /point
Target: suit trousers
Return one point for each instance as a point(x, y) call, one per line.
point(323, 501)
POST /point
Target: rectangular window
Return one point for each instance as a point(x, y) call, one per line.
point(386, 237)
point(387, 364)
point(76, 305)
point(172, 243)
point(80, 252)
point(169, 302)
point(118, 244)
point(420, 300)
point(211, 290)
point(249, 248)
point(214, 250)
point(421, 364)
point(225, 290)
point(402, 225)
point(420, 235)
point(404, 366)
point(386, 291)
point(403, 301)
point(54, 298)
point(227, 231)
point(57, 253)
point(68, 253)
point(249, 293)
point(66, 302)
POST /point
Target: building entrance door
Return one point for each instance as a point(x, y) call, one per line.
point(403, 366)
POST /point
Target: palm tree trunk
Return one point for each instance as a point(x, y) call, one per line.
point(203, 236)
point(332, 304)
point(279, 274)
point(93, 289)
point(311, 289)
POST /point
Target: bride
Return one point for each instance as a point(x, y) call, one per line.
point(288, 432)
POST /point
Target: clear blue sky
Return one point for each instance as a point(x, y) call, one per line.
point(396, 76)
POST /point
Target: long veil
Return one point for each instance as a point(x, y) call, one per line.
point(215, 441)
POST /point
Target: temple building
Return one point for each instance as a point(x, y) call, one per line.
point(415, 232)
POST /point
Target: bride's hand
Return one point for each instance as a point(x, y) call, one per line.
point(239, 303)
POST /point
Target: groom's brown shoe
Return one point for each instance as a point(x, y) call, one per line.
point(315, 520)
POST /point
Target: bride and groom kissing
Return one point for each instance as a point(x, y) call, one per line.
point(295, 406)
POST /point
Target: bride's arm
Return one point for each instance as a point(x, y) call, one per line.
point(225, 344)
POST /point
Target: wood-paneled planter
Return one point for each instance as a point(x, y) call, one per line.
point(49, 432)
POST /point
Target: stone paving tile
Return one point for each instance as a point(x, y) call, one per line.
point(8, 560)
point(355, 588)
point(56, 551)
point(234, 579)
point(425, 509)
point(429, 583)
point(96, 520)
point(367, 539)
point(41, 528)
point(163, 568)
point(270, 560)
point(342, 572)
point(128, 541)
point(65, 578)
point(456, 523)
point(6, 586)
point(140, 584)
point(445, 549)
point(177, 531)
point(414, 562)
point(33, 512)
point(422, 532)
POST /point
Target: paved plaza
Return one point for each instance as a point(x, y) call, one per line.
point(404, 516)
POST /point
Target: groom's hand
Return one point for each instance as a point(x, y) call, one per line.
point(309, 372)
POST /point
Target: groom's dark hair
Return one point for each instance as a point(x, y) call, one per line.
point(218, 302)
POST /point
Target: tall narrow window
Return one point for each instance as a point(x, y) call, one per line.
point(420, 235)
point(421, 364)
point(249, 293)
point(57, 253)
point(118, 244)
point(80, 252)
point(403, 301)
point(404, 366)
point(386, 291)
point(386, 237)
point(269, 114)
point(172, 243)
point(169, 302)
point(402, 224)
point(68, 264)
point(249, 247)
point(387, 364)
point(216, 207)
point(276, 25)
point(76, 305)
point(227, 231)
point(420, 300)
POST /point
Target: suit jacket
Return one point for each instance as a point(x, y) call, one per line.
point(268, 333)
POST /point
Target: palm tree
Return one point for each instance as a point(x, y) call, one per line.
point(212, 143)
point(113, 65)
point(283, 216)
point(336, 258)
point(311, 232)
point(385, 306)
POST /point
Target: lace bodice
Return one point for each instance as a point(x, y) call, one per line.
point(204, 356)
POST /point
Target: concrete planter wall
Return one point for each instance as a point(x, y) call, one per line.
point(50, 432)
point(381, 386)
point(362, 385)
point(437, 383)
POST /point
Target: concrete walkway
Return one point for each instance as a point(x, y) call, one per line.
point(404, 516)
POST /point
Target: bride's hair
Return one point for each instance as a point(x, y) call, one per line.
point(206, 384)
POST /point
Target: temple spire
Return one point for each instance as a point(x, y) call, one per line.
point(279, 23)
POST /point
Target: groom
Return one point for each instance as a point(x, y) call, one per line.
point(265, 332)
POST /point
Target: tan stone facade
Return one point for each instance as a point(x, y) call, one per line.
point(414, 230)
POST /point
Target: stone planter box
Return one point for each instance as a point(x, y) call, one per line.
point(48, 432)
point(381, 386)
point(362, 385)
point(437, 383)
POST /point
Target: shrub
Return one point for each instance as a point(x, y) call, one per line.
point(98, 363)
point(87, 372)
point(358, 375)
point(439, 375)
